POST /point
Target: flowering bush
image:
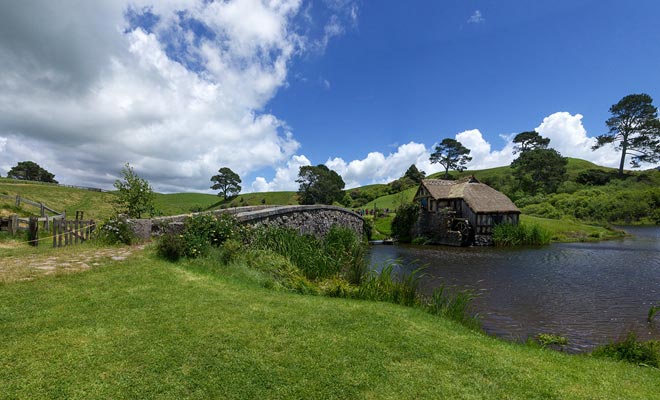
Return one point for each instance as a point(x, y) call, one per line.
point(115, 230)
point(201, 232)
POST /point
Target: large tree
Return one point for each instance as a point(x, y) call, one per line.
point(635, 129)
point(529, 140)
point(135, 196)
point(451, 154)
point(30, 171)
point(319, 185)
point(227, 182)
point(540, 169)
point(414, 174)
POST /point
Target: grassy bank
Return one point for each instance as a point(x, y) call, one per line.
point(568, 230)
point(197, 329)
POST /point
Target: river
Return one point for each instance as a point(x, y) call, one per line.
point(590, 293)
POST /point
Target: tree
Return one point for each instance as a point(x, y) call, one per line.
point(134, 194)
point(30, 171)
point(319, 185)
point(414, 174)
point(540, 169)
point(227, 181)
point(634, 126)
point(451, 154)
point(530, 140)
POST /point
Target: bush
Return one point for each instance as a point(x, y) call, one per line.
point(632, 350)
point(593, 177)
point(115, 230)
point(404, 221)
point(171, 247)
point(388, 286)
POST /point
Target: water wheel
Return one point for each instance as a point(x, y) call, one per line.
point(463, 226)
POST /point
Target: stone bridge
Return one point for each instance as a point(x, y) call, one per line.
point(316, 220)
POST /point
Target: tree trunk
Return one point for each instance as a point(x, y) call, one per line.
point(624, 148)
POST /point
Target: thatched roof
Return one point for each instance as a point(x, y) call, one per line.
point(480, 197)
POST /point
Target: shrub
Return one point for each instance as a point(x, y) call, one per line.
point(115, 230)
point(171, 247)
point(632, 350)
point(593, 177)
point(404, 221)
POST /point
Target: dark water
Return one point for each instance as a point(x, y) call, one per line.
point(590, 293)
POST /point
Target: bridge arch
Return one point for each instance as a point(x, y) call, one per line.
point(313, 219)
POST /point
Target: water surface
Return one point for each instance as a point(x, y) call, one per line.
point(590, 293)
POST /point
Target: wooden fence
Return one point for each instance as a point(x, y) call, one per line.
point(66, 233)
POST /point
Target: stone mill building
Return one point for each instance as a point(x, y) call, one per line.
point(461, 213)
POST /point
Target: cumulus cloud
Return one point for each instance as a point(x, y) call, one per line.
point(379, 168)
point(567, 134)
point(285, 177)
point(176, 88)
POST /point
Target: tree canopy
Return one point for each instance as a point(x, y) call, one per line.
point(529, 140)
point(635, 129)
point(319, 185)
point(540, 169)
point(227, 182)
point(30, 171)
point(135, 196)
point(414, 174)
point(451, 154)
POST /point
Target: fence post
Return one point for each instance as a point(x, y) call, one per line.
point(18, 201)
point(13, 224)
point(33, 232)
point(54, 233)
point(42, 210)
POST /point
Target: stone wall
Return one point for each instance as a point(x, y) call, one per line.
point(315, 220)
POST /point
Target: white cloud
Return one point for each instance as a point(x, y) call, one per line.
point(285, 177)
point(92, 89)
point(476, 18)
point(568, 136)
point(480, 150)
point(378, 168)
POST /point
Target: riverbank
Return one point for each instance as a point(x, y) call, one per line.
point(143, 327)
point(567, 230)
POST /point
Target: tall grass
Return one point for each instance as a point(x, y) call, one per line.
point(454, 306)
point(389, 286)
point(339, 253)
point(520, 235)
point(652, 312)
point(632, 350)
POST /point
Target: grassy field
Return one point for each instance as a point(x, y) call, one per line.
point(96, 205)
point(145, 328)
point(392, 201)
point(568, 230)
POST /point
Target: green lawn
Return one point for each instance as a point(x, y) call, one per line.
point(568, 230)
point(145, 328)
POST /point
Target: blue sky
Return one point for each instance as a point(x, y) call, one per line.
point(181, 88)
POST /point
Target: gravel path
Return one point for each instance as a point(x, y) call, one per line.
point(14, 268)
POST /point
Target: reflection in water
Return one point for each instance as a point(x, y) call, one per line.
point(590, 293)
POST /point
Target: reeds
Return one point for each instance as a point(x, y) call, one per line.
point(520, 235)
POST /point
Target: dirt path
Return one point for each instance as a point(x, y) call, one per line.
point(26, 267)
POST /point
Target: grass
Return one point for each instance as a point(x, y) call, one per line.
point(146, 328)
point(392, 201)
point(568, 230)
point(96, 205)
